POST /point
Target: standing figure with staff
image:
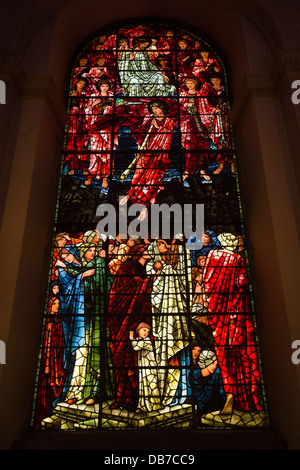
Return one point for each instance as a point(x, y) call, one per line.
point(152, 160)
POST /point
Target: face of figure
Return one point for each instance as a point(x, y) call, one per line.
point(205, 239)
point(201, 261)
point(158, 112)
point(83, 62)
point(104, 88)
point(55, 290)
point(204, 55)
point(100, 63)
point(143, 333)
point(61, 242)
point(170, 34)
point(123, 44)
point(216, 82)
point(196, 352)
point(162, 63)
point(191, 84)
point(143, 45)
point(112, 249)
point(90, 254)
point(182, 45)
point(55, 306)
point(68, 257)
point(101, 42)
point(80, 84)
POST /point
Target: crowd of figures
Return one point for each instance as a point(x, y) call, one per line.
point(153, 84)
point(145, 324)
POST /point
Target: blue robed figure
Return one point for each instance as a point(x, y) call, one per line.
point(75, 322)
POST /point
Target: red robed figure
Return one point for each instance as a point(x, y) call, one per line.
point(129, 304)
point(226, 285)
point(52, 372)
point(152, 164)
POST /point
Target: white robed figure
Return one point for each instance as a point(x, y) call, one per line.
point(138, 75)
point(149, 395)
point(171, 295)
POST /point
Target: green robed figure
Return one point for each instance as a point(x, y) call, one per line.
point(86, 381)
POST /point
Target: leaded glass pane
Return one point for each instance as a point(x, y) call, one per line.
point(145, 331)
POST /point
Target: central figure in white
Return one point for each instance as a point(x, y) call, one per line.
point(139, 76)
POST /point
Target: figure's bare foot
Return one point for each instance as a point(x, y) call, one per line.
point(104, 183)
point(232, 167)
point(183, 177)
point(88, 181)
point(204, 175)
point(219, 169)
point(124, 200)
point(228, 407)
point(85, 172)
point(71, 172)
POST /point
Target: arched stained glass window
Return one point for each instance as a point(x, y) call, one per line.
point(147, 323)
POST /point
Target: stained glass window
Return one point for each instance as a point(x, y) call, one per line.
point(144, 329)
